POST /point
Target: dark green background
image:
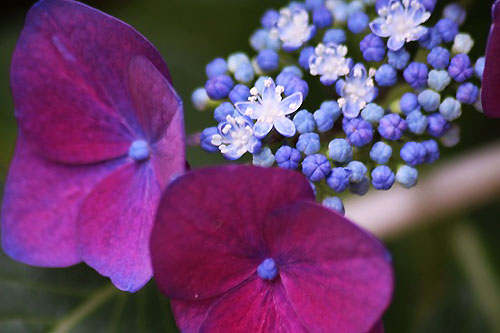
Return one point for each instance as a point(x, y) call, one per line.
point(447, 274)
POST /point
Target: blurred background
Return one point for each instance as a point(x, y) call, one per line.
point(447, 272)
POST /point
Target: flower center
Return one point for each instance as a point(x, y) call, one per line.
point(267, 270)
point(139, 150)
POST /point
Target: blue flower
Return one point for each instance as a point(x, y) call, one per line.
point(438, 126)
point(235, 137)
point(224, 110)
point(264, 158)
point(413, 153)
point(372, 47)
point(382, 178)
point(309, 143)
point(326, 116)
point(450, 109)
point(360, 188)
point(268, 60)
point(417, 122)
point(304, 57)
point(455, 12)
point(398, 59)
point(409, 103)
point(460, 68)
point(270, 110)
point(467, 93)
point(429, 100)
point(270, 18)
point(392, 126)
point(219, 87)
point(357, 22)
point(358, 131)
point(287, 157)
point(357, 90)
point(329, 62)
point(358, 171)
point(322, 17)
point(334, 203)
point(381, 152)
point(447, 29)
point(304, 121)
point(372, 113)
point(386, 76)
point(206, 139)
point(200, 99)
point(239, 93)
point(401, 22)
point(431, 151)
point(407, 176)
point(335, 36)
point(340, 150)
point(216, 67)
point(338, 179)
point(416, 75)
point(439, 58)
point(316, 167)
point(438, 80)
point(293, 28)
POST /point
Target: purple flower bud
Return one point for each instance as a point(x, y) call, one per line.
point(373, 48)
point(316, 167)
point(322, 17)
point(219, 87)
point(358, 131)
point(431, 151)
point(239, 93)
point(467, 93)
point(416, 75)
point(382, 178)
point(215, 68)
point(447, 29)
point(287, 157)
point(338, 179)
point(438, 126)
point(460, 68)
point(392, 126)
point(413, 153)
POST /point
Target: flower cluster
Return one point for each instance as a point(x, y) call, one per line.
point(396, 76)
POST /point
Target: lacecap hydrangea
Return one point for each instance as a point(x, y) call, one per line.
point(395, 74)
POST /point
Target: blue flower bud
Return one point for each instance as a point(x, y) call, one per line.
point(413, 153)
point(386, 76)
point(293, 70)
point(219, 87)
point(244, 72)
point(372, 113)
point(322, 17)
point(467, 93)
point(398, 59)
point(263, 40)
point(431, 151)
point(338, 179)
point(452, 137)
point(224, 110)
point(409, 103)
point(305, 54)
point(264, 158)
point(294, 85)
point(429, 4)
point(284, 78)
point(431, 39)
point(382, 178)
point(360, 188)
point(479, 67)
point(460, 68)
point(455, 12)
point(462, 43)
point(358, 131)
point(416, 75)
point(216, 67)
point(340, 150)
point(304, 122)
point(381, 152)
point(392, 126)
point(270, 18)
point(429, 100)
point(334, 203)
point(438, 126)
point(358, 171)
point(309, 143)
point(206, 139)
point(373, 48)
point(239, 93)
point(326, 116)
point(312, 4)
point(447, 29)
point(335, 36)
point(438, 80)
point(407, 176)
point(268, 60)
point(439, 58)
point(200, 99)
point(417, 122)
point(357, 22)
point(450, 109)
point(235, 60)
point(287, 157)
point(316, 167)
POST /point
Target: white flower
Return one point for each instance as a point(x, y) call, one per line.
point(401, 22)
point(329, 62)
point(293, 28)
point(236, 137)
point(357, 90)
point(269, 109)
point(463, 43)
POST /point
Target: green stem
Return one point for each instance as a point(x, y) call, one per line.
point(93, 302)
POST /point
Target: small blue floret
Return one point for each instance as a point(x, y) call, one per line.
point(139, 150)
point(267, 270)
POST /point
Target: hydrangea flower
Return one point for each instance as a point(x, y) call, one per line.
point(235, 137)
point(269, 109)
point(491, 83)
point(356, 90)
point(101, 135)
point(293, 28)
point(329, 62)
point(401, 22)
point(259, 254)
